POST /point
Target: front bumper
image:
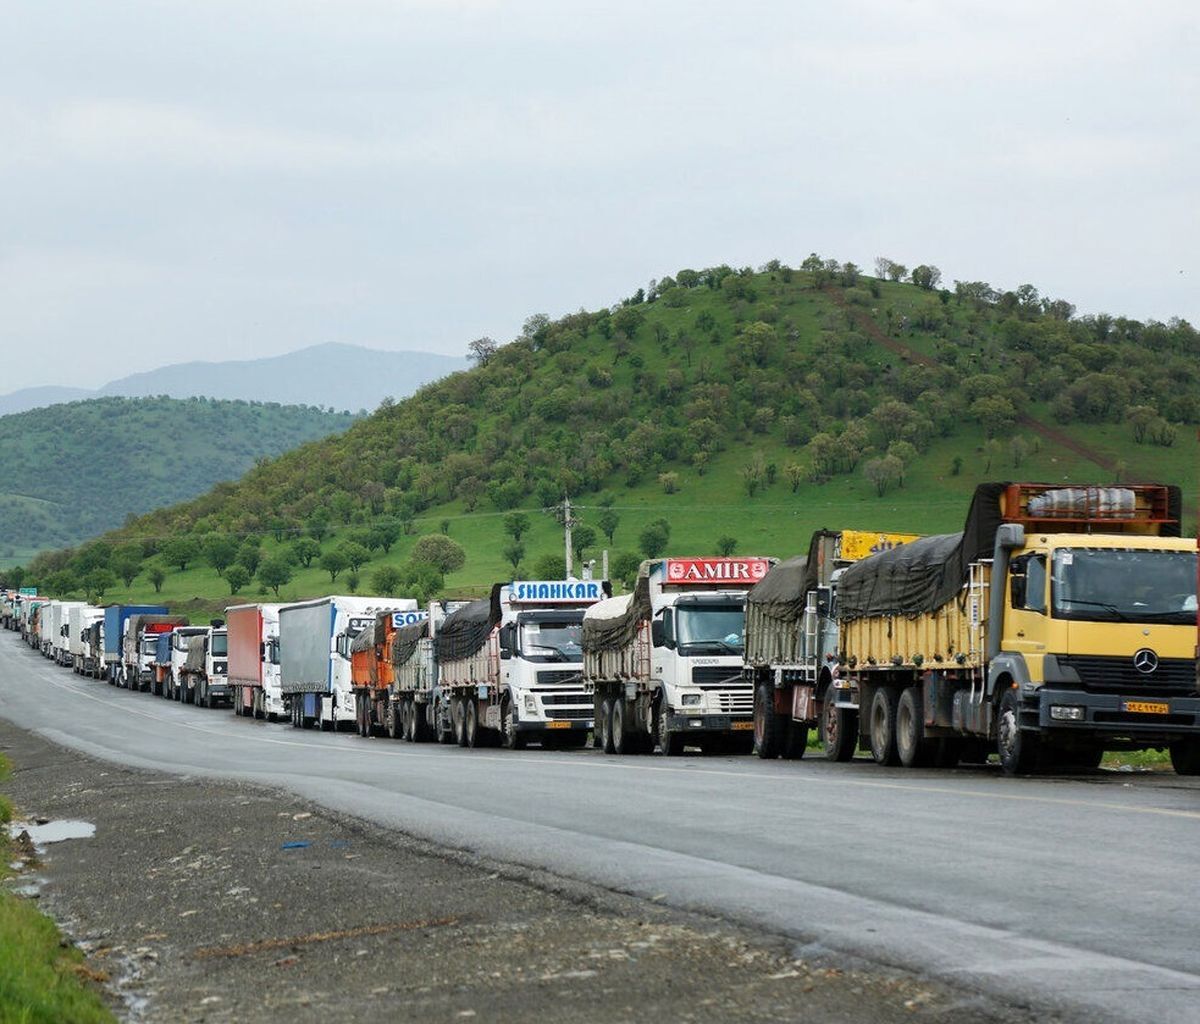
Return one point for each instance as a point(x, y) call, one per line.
point(678, 722)
point(1107, 714)
point(555, 725)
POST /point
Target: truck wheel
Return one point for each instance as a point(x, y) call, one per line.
point(603, 726)
point(1185, 757)
point(512, 739)
point(1019, 750)
point(770, 729)
point(471, 735)
point(839, 731)
point(670, 742)
point(619, 735)
point(795, 744)
point(883, 726)
point(913, 748)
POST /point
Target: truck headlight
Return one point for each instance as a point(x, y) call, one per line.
point(530, 703)
point(1067, 712)
point(690, 699)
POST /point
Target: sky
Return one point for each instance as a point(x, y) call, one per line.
point(229, 180)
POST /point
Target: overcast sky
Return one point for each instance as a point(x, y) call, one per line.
point(224, 180)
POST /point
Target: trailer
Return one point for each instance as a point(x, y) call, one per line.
point(254, 660)
point(314, 655)
point(116, 617)
point(792, 646)
point(371, 675)
point(83, 655)
point(1059, 624)
point(204, 679)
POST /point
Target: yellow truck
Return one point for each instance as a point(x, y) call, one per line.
point(1061, 623)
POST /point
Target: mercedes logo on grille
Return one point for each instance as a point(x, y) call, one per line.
point(1145, 661)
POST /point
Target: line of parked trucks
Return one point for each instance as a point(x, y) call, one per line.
point(1060, 623)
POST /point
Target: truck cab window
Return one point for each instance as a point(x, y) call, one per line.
point(1035, 584)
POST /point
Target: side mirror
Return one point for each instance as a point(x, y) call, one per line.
point(508, 640)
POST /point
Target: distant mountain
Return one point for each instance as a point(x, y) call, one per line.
point(35, 398)
point(80, 468)
point(330, 375)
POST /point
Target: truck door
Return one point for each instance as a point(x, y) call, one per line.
point(1025, 612)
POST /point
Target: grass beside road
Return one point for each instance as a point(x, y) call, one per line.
point(39, 979)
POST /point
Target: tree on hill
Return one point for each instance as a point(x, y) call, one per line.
point(386, 580)
point(608, 521)
point(250, 555)
point(275, 572)
point(355, 554)
point(333, 562)
point(440, 551)
point(157, 578)
point(582, 538)
point(304, 550)
point(220, 551)
point(653, 540)
point(236, 576)
point(482, 350)
point(180, 551)
point(515, 525)
point(97, 582)
point(127, 567)
point(514, 551)
point(726, 545)
point(550, 567)
point(883, 473)
point(318, 524)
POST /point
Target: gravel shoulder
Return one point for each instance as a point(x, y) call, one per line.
point(199, 900)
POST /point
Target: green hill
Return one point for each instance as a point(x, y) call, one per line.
point(71, 471)
point(751, 406)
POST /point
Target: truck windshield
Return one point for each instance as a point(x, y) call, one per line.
point(149, 644)
point(708, 628)
point(1113, 585)
point(220, 645)
point(552, 641)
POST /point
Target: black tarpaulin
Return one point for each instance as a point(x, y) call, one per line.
point(780, 595)
point(612, 624)
point(924, 574)
point(366, 638)
point(405, 640)
point(465, 631)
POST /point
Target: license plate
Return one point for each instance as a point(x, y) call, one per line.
point(1146, 707)
point(558, 725)
point(742, 726)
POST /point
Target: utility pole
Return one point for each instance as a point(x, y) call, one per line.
point(568, 522)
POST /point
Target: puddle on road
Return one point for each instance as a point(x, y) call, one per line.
point(52, 831)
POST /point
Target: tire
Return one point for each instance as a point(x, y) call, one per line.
point(619, 735)
point(238, 710)
point(770, 728)
point(1019, 750)
point(883, 726)
point(471, 731)
point(202, 694)
point(1185, 757)
point(511, 739)
point(458, 714)
point(670, 742)
point(839, 731)
point(913, 748)
point(603, 726)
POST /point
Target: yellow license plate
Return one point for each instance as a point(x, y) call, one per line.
point(558, 725)
point(1146, 707)
point(742, 726)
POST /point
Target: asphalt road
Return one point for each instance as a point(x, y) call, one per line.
point(1074, 894)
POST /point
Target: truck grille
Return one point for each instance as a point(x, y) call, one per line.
point(578, 697)
point(721, 675)
point(734, 702)
point(1106, 674)
point(557, 676)
point(570, 714)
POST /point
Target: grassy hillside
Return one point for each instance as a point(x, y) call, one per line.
point(68, 472)
point(751, 406)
